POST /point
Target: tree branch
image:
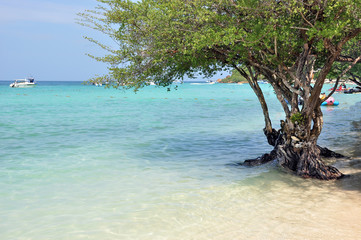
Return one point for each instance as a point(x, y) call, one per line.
point(346, 59)
point(353, 79)
point(340, 76)
point(252, 80)
point(281, 76)
point(334, 54)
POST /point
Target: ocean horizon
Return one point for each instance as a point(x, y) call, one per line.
point(86, 162)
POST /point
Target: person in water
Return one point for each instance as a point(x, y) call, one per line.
point(323, 96)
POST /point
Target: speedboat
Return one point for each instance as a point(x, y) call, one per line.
point(22, 83)
point(262, 82)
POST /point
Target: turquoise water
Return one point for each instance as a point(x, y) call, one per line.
point(84, 162)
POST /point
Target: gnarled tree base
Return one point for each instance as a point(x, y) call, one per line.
point(305, 163)
point(302, 158)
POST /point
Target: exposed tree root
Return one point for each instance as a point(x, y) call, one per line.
point(325, 152)
point(265, 158)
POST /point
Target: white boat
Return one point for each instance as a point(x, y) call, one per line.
point(22, 83)
point(210, 82)
point(262, 82)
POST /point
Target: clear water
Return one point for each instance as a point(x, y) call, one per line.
point(84, 162)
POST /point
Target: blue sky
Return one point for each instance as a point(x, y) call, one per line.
point(41, 38)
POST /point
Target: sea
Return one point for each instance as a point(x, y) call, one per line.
point(84, 162)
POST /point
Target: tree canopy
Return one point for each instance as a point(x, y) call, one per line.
point(166, 40)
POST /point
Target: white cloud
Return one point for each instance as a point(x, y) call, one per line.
point(38, 11)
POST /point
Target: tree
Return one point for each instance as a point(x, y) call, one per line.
point(283, 41)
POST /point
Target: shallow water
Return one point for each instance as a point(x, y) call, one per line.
point(84, 162)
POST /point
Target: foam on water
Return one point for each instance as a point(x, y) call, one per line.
point(80, 162)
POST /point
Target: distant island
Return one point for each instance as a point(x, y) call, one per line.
point(235, 77)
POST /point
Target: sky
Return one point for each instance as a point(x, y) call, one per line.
point(40, 38)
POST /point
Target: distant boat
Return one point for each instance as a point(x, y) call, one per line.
point(97, 84)
point(23, 83)
point(262, 82)
point(203, 83)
